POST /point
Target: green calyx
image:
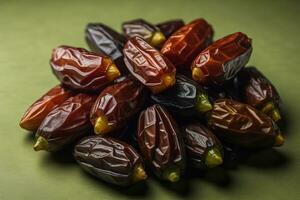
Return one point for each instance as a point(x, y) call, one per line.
point(202, 103)
point(213, 158)
point(172, 174)
point(41, 144)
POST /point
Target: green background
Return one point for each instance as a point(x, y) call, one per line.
point(31, 29)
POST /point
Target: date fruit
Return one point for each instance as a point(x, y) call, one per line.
point(257, 91)
point(222, 60)
point(203, 148)
point(186, 97)
point(37, 112)
point(110, 160)
point(65, 124)
point(82, 70)
point(145, 30)
point(161, 143)
point(104, 40)
point(170, 27)
point(148, 65)
point(117, 104)
point(243, 125)
point(187, 42)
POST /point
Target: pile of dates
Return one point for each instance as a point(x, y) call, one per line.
point(155, 99)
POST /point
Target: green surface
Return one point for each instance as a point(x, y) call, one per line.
point(30, 29)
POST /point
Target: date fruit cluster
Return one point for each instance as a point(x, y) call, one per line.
point(157, 98)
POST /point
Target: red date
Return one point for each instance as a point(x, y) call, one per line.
point(187, 42)
point(222, 60)
point(82, 70)
point(148, 65)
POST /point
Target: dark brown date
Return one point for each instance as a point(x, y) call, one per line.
point(257, 91)
point(36, 113)
point(82, 70)
point(170, 27)
point(203, 148)
point(110, 160)
point(117, 104)
point(148, 65)
point(102, 39)
point(145, 30)
point(65, 124)
point(222, 60)
point(161, 143)
point(241, 124)
point(187, 42)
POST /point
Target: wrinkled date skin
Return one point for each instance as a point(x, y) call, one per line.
point(170, 27)
point(161, 143)
point(187, 42)
point(257, 91)
point(145, 30)
point(36, 113)
point(222, 60)
point(186, 98)
point(82, 70)
point(110, 160)
point(148, 65)
point(241, 124)
point(117, 104)
point(102, 39)
point(65, 123)
point(202, 146)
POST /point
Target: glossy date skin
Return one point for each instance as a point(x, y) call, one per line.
point(81, 70)
point(66, 123)
point(187, 42)
point(186, 98)
point(36, 113)
point(161, 143)
point(222, 60)
point(148, 65)
point(257, 91)
point(170, 27)
point(203, 148)
point(117, 104)
point(145, 30)
point(104, 40)
point(110, 160)
point(243, 125)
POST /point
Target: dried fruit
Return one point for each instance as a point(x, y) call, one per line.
point(36, 113)
point(65, 124)
point(257, 91)
point(148, 65)
point(117, 104)
point(203, 148)
point(110, 160)
point(102, 39)
point(186, 97)
point(82, 70)
point(241, 124)
point(145, 30)
point(222, 60)
point(161, 143)
point(187, 42)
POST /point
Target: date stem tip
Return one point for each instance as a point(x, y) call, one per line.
point(41, 144)
point(168, 81)
point(158, 39)
point(173, 177)
point(279, 140)
point(275, 115)
point(197, 74)
point(202, 104)
point(112, 72)
point(101, 125)
point(213, 158)
point(139, 173)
